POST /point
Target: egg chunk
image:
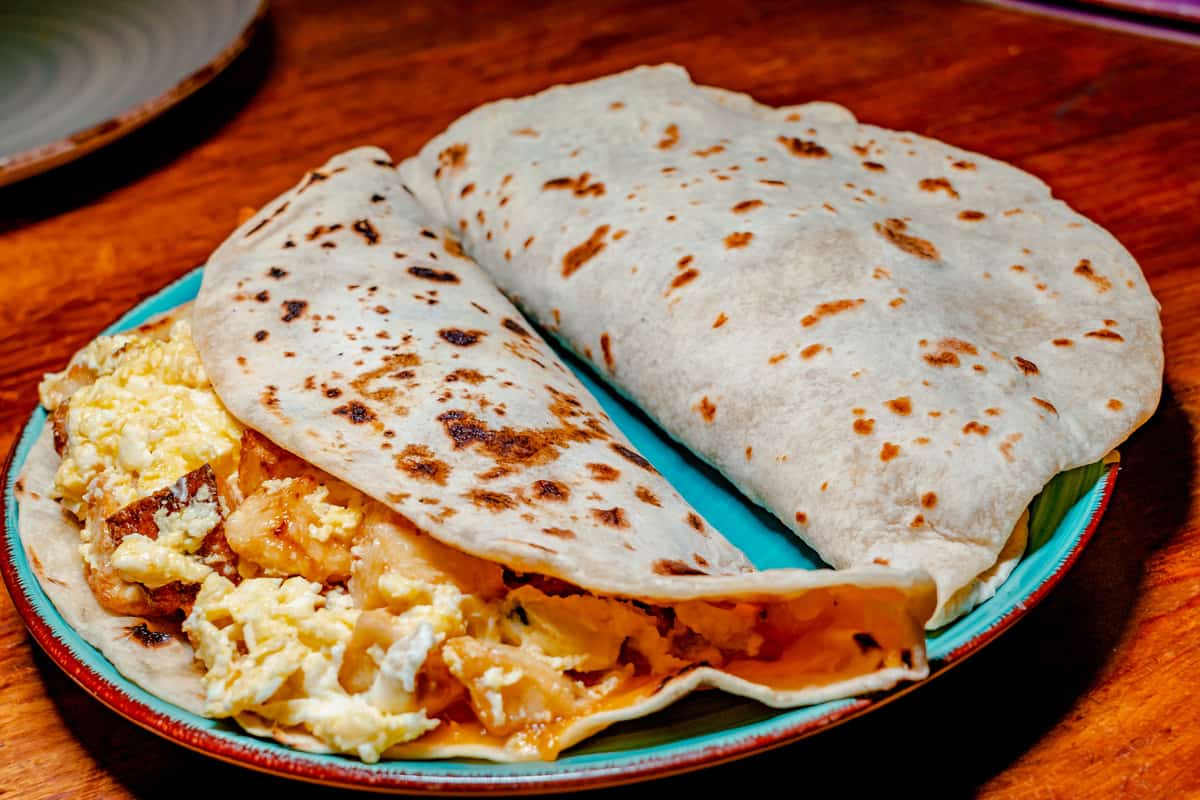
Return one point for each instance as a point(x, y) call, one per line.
point(274, 647)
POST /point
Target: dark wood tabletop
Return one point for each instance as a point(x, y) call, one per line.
point(1094, 694)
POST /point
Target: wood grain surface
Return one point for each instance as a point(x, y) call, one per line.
point(1093, 695)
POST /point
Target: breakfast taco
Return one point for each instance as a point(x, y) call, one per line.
point(891, 343)
point(351, 500)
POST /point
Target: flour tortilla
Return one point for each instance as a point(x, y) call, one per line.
point(891, 343)
point(391, 362)
point(51, 539)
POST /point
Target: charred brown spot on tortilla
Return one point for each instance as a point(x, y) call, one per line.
point(938, 185)
point(492, 501)
point(494, 473)
point(355, 412)
point(461, 338)
point(269, 398)
point(515, 327)
point(801, 518)
point(523, 446)
point(581, 253)
point(900, 405)
point(746, 205)
point(775, 359)
point(317, 177)
point(893, 231)
point(1046, 404)
point(874, 166)
point(278, 273)
point(963, 165)
point(1104, 333)
point(551, 491)
point(918, 521)
point(646, 496)
point(888, 451)
point(147, 637)
point(971, 216)
point(1025, 365)
point(367, 231)
point(738, 239)
point(945, 358)
point(631, 456)
point(1084, 269)
point(612, 517)
point(559, 533)
point(811, 351)
point(720, 320)
point(292, 309)
point(976, 428)
point(695, 522)
point(263, 297)
point(684, 262)
point(439, 276)
point(260, 336)
point(829, 309)
point(683, 279)
point(321, 230)
point(866, 642)
point(333, 393)
point(802, 148)
point(929, 500)
point(580, 186)
point(706, 409)
point(958, 346)
point(709, 151)
point(670, 137)
point(471, 376)
point(603, 472)
point(606, 351)
point(418, 461)
point(453, 247)
point(666, 566)
point(864, 427)
point(453, 158)
point(1114, 404)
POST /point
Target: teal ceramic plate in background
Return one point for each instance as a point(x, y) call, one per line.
point(77, 74)
point(703, 729)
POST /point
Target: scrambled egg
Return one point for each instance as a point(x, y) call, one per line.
point(149, 417)
point(157, 562)
point(275, 647)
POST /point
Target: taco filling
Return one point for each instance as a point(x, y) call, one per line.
point(324, 616)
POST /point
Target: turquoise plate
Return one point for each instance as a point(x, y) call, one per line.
point(703, 729)
point(77, 74)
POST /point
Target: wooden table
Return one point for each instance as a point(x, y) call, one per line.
point(1093, 695)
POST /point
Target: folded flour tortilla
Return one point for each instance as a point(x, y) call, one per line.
point(345, 330)
point(891, 343)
